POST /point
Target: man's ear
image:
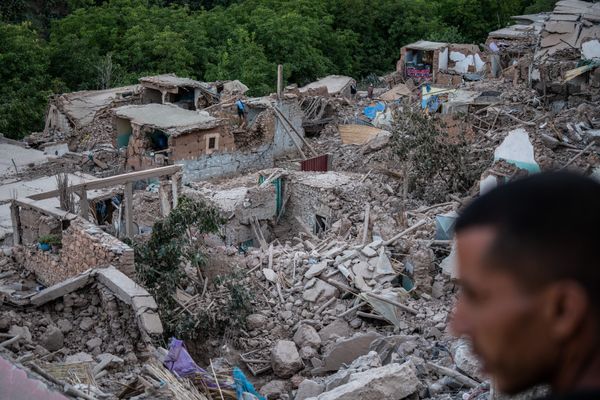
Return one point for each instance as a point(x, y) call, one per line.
point(566, 305)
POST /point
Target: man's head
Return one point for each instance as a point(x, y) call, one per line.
point(530, 275)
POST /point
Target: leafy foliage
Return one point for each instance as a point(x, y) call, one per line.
point(173, 243)
point(24, 82)
point(436, 163)
point(89, 44)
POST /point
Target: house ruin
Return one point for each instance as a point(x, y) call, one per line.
point(441, 63)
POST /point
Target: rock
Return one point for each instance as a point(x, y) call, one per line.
point(4, 324)
point(86, 323)
point(306, 335)
point(93, 343)
point(315, 270)
point(53, 339)
point(368, 252)
point(256, 321)
point(337, 329)
point(347, 350)
point(377, 143)
point(113, 360)
point(466, 360)
point(356, 323)
point(20, 330)
point(308, 389)
point(79, 357)
point(285, 359)
point(320, 291)
point(64, 325)
point(391, 382)
point(274, 389)
point(307, 352)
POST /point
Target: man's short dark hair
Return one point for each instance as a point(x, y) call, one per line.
point(548, 229)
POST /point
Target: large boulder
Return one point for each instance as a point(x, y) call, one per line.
point(285, 359)
point(256, 321)
point(308, 389)
point(306, 335)
point(53, 339)
point(390, 382)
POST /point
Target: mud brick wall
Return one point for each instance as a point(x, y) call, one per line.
point(84, 246)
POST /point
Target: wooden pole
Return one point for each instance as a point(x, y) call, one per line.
point(84, 206)
point(129, 209)
point(279, 81)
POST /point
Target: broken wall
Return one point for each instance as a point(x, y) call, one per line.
point(261, 157)
point(194, 144)
point(84, 246)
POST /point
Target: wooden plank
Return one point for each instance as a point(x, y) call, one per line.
point(163, 196)
point(175, 179)
point(114, 180)
point(357, 134)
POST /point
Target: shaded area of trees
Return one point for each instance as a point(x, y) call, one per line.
point(67, 45)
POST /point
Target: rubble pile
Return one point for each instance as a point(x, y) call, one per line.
point(333, 273)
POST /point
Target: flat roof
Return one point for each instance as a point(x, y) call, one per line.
point(84, 105)
point(426, 45)
point(333, 83)
point(167, 117)
point(172, 81)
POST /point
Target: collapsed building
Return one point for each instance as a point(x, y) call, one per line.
point(441, 63)
point(339, 244)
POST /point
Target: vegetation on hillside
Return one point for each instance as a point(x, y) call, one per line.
point(51, 46)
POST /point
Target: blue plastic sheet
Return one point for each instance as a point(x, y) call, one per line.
point(371, 111)
point(243, 385)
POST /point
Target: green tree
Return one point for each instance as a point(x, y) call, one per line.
point(24, 81)
point(242, 58)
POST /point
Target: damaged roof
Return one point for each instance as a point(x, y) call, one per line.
point(426, 45)
point(172, 81)
point(83, 106)
point(571, 24)
point(334, 84)
point(167, 117)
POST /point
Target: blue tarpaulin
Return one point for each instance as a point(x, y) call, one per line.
point(371, 111)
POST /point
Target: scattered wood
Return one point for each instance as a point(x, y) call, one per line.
point(465, 380)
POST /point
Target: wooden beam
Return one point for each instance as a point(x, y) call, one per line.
point(114, 180)
point(128, 209)
point(84, 207)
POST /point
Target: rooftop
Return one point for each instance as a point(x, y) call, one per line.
point(167, 117)
point(83, 106)
point(333, 83)
point(172, 81)
point(426, 45)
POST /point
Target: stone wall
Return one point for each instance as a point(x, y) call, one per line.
point(84, 246)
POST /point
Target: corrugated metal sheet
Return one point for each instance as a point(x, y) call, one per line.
point(319, 163)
